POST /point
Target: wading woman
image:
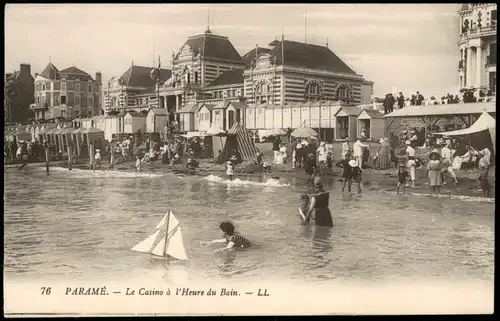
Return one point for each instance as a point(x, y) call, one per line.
point(319, 205)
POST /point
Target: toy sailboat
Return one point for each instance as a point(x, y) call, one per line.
point(171, 244)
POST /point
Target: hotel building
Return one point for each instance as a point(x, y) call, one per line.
point(478, 47)
point(68, 93)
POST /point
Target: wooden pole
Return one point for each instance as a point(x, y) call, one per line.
point(112, 156)
point(91, 153)
point(166, 234)
point(47, 159)
point(70, 158)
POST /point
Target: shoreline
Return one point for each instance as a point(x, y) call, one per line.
point(382, 180)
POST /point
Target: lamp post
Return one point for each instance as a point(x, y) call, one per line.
point(155, 75)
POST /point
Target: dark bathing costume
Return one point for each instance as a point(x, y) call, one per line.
point(323, 214)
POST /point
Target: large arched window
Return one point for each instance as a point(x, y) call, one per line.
point(263, 92)
point(313, 90)
point(344, 92)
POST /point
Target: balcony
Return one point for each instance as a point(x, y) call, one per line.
point(483, 31)
point(39, 106)
point(491, 60)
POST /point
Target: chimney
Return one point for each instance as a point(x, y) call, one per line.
point(98, 77)
point(26, 68)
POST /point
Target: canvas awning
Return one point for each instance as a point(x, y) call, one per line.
point(484, 122)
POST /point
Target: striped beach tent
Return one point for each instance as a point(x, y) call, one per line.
point(238, 143)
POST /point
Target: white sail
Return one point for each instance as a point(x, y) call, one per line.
point(172, 222)
point(162, 222)
point(176, 246)
point(158, 250)
point(147, 245)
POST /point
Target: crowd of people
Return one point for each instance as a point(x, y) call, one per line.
point(400, 101)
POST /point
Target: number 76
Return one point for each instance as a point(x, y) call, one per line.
point(46, 290)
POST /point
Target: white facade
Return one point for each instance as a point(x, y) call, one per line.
point(477, 46)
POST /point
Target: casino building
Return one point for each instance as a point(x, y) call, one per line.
point(208, 69)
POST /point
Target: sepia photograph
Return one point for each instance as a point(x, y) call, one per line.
point(249, 159)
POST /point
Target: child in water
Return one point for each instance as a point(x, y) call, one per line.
point(346, 175)
point(402, 178)
point(356, 173)
point(230, 166)
point(97, 159)
point(304, 206)
point(233, 240)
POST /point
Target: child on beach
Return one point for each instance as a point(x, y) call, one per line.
point(329, 160)
point(233, 240)
point(484, 182)
point(138, 163)
point(411, 166)
point(304, 206)
point(402, 178)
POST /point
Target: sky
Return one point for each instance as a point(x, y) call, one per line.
point(403, 47)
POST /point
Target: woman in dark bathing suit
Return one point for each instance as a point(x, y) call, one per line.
point(319, 203)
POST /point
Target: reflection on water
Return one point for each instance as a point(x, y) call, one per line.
point(79, 224)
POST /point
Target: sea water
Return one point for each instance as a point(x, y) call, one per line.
point(81, 225)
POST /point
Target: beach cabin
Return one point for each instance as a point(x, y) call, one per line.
point(346, 120)
point(187, 117)
point(219, 118)
point(203, 118)
point(156, 120)
point(134, 121)
point(235, 113)
point(373, 121)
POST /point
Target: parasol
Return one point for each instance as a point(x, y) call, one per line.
point(304, 132)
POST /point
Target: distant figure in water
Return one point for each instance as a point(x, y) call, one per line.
point(97, 159)
point(233, 240)
point(230, 166)
point(319, 205)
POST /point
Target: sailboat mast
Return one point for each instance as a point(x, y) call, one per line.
point(166, 233)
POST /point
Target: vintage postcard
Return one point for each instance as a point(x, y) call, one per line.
point(249, 159)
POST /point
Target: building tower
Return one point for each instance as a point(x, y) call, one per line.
point(477, 45)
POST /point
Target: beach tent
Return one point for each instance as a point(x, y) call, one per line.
point(484, 123)
point(241, 142)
